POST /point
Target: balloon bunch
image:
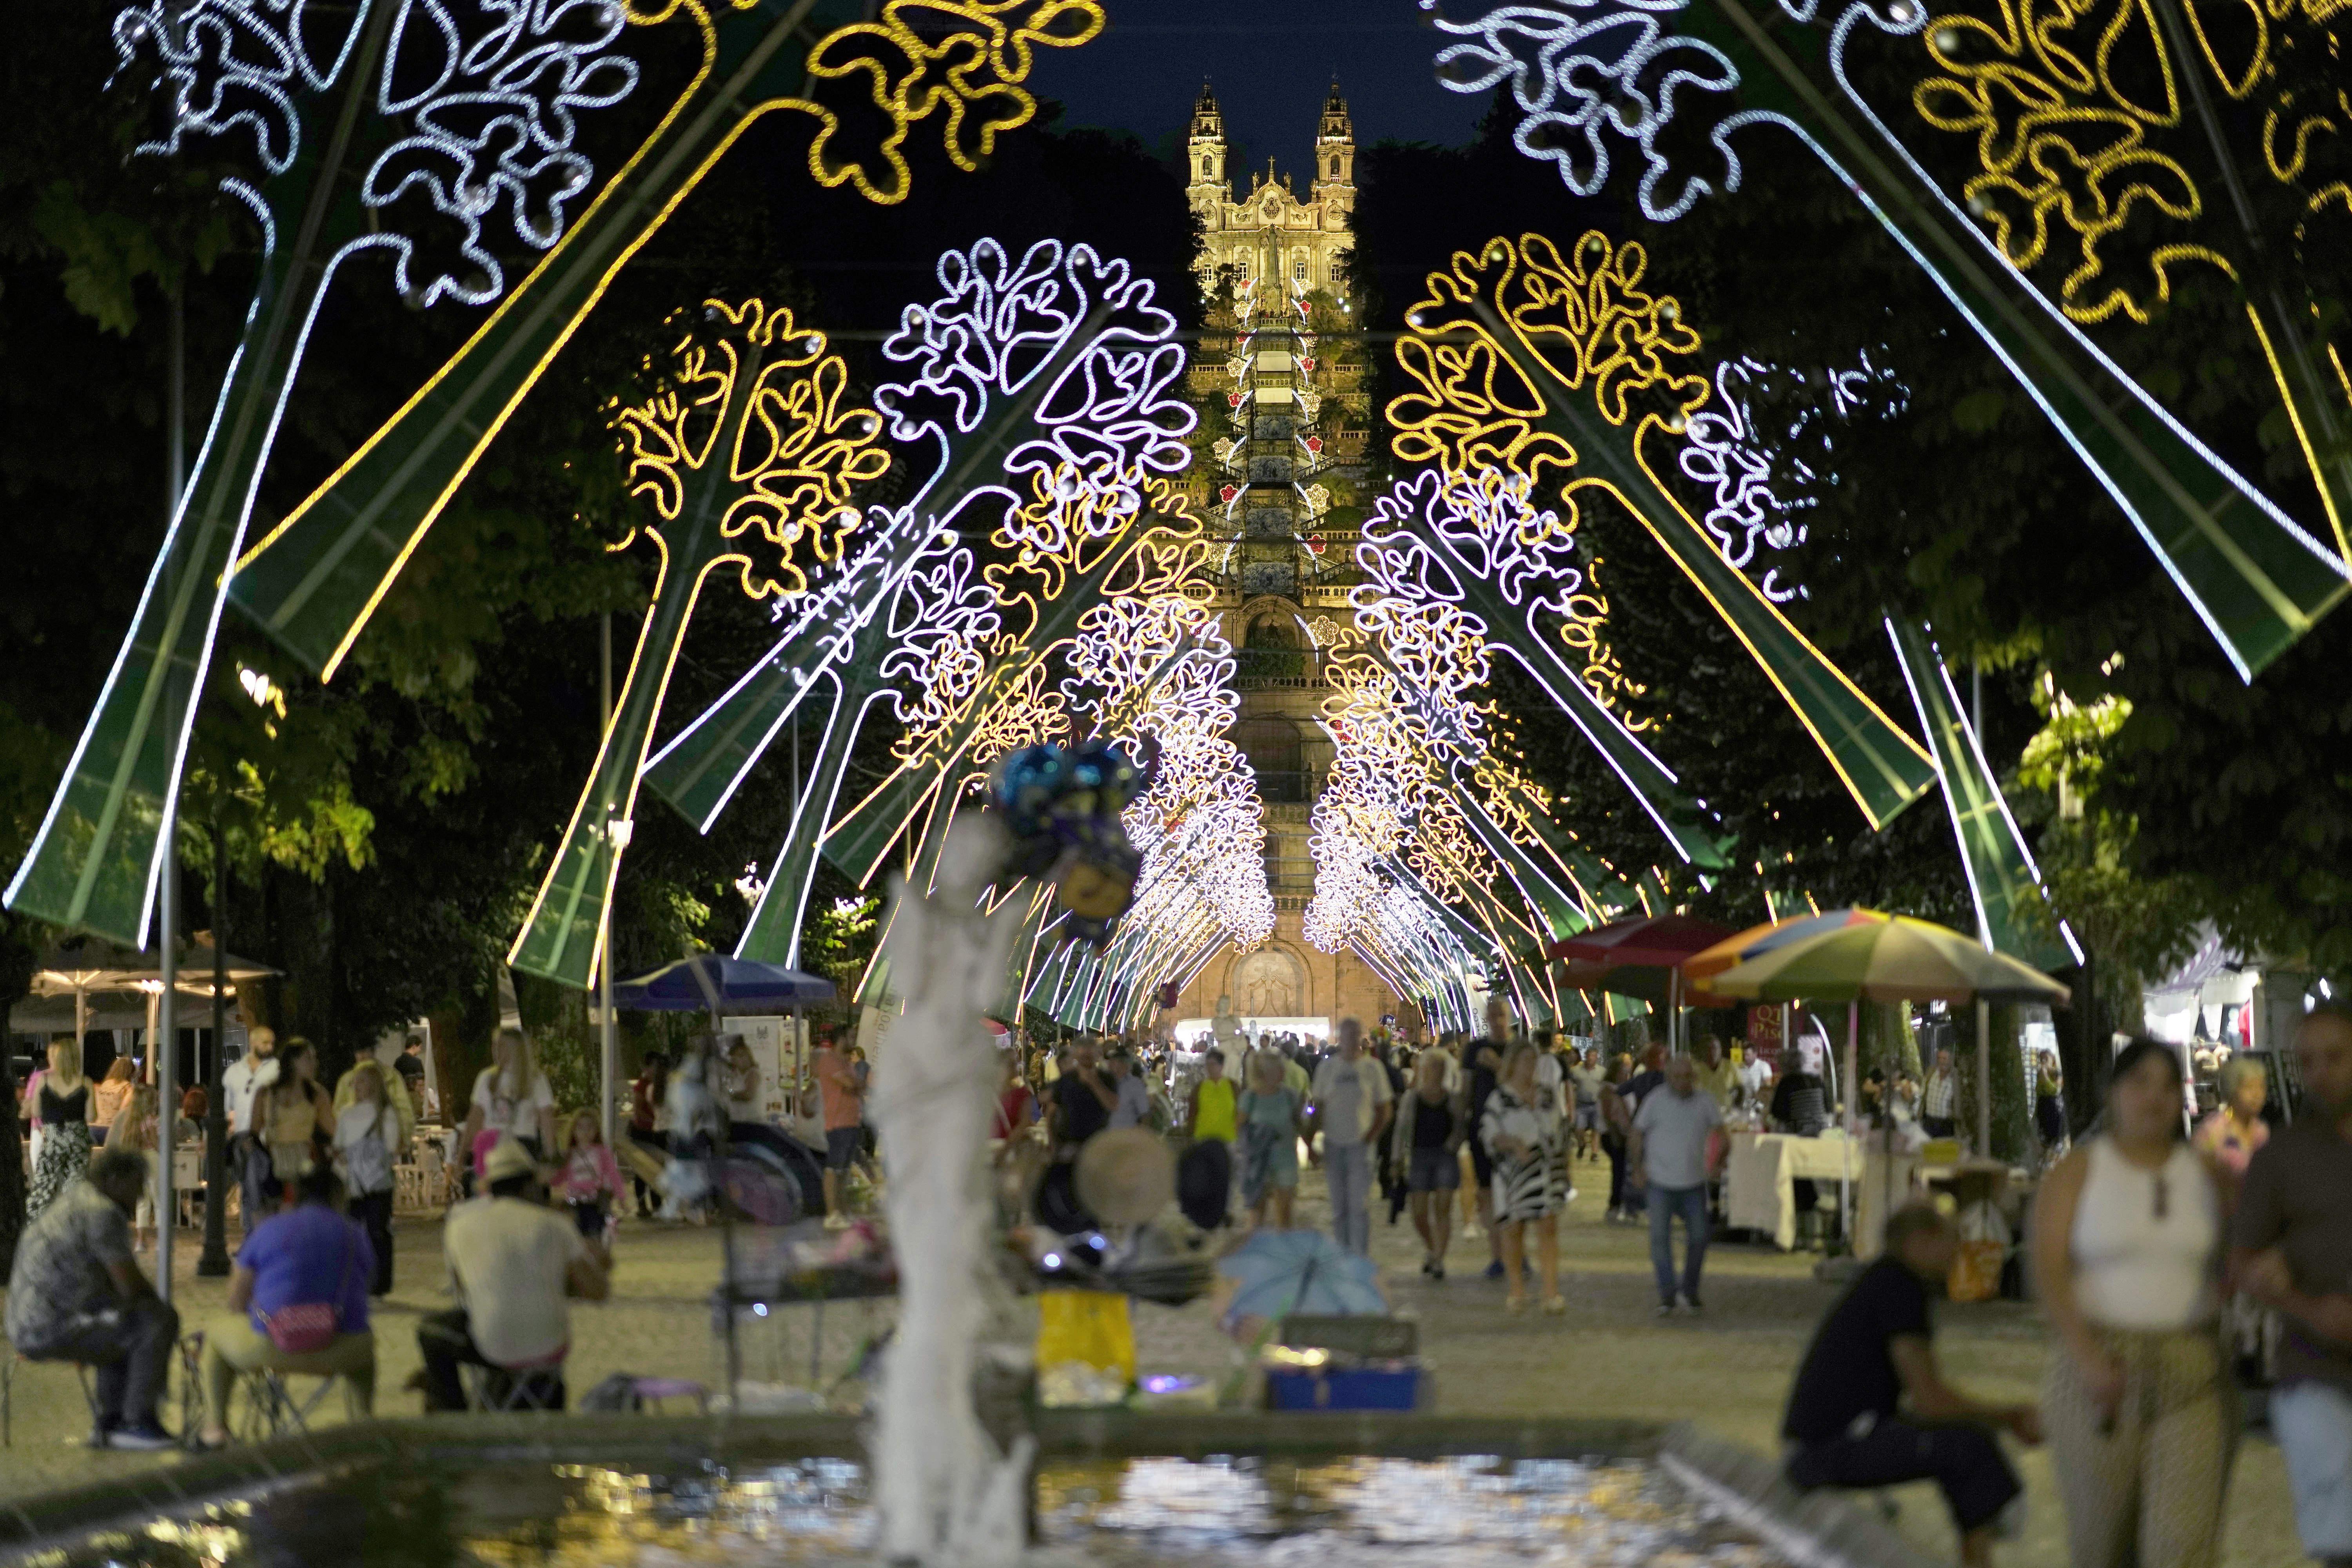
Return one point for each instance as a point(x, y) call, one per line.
point(1062, 807)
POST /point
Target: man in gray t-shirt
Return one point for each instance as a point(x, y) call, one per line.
point(1669, 1145)
point(2293, 1235)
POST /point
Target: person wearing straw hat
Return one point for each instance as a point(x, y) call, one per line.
point(513, 1262)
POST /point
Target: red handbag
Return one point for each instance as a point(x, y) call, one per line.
point(299, 1328)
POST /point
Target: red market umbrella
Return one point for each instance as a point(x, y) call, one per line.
point(1654, 942)
point(1638, 958)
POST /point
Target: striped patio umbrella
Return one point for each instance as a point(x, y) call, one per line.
point(1885, 958)
point(1703, 966)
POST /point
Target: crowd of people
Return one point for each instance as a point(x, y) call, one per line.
point(315, 1176)
point(2173, 1257)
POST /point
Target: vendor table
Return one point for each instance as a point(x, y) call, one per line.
point(1761, 1169)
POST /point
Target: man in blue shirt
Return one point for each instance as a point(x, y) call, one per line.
point(300, 1293)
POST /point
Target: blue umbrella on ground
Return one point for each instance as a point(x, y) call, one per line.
point(1303, 1271)
point(715, 984)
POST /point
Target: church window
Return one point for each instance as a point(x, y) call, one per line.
point(1298, 270)
point(1335, 166)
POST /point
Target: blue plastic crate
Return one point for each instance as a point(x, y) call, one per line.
point(1345, 1388)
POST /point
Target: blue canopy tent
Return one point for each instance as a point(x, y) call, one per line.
point(720, 985)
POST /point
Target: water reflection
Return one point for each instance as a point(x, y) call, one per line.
point(1379, 1513)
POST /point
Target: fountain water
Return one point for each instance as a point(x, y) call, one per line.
point(946, 1495)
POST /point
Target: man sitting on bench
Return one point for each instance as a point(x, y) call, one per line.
point(513, 1260)
point(1869, 1408)
point(77, 1295)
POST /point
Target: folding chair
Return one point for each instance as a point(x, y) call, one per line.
point(8, 1365)
point(271, 1408)
point(536, 1385)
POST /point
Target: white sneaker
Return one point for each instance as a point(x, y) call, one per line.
point(836, 1222)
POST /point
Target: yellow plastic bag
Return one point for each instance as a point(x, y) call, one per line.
point(1085, 1347)
point(1976, 1271)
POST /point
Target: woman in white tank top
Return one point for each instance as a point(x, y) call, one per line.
point(2141, 1415)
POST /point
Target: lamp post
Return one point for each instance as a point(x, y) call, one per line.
point(212, 1263)
point(167, 1010)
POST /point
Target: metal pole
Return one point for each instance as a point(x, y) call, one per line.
point(167, 1012)
point(1851, 1094)
point(609, 1053)
point(167, 1035)
point(1984, 1079)
point(213, 1262)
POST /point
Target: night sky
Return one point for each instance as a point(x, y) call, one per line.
point(1271, 62)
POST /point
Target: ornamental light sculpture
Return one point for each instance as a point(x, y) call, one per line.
point(747, 456)
point(410, 129)
point(1592, 77)
point(1044, 386)
point(1567, 370)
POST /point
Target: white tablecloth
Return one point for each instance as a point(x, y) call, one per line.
point(1759, 1169)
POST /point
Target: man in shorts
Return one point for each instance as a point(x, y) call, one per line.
point(843, 1098)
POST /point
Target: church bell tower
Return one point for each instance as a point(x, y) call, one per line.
point(1333, 184)
point(1206, 189)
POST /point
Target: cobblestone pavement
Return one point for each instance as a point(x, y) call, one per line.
point(1607, 1357)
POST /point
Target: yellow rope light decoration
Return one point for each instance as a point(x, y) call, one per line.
point(1589, 326)
point(2064, 146)
point(796, 452)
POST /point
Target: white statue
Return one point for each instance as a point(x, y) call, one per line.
point(947, 1498)
point(1225, 1034)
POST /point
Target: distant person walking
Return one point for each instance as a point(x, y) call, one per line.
point(1670, 1146)
point(1526, 1139)
point(842, 1096)
point(240, 1081)
point(1430, 1128)
point(1269, 1110)
point(112, 1093)
point(2142, 1414)
point(2292, 1245)
point(367, 1135)
point(1212, 1108)
point(511, 1096)
point(1352, 1105)
point(1484, 1061)
point(1937, 1100)
point(65, 1127)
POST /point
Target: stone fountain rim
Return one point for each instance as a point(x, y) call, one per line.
point(1815, 1530)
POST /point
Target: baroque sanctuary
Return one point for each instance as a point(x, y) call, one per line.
point(1285, 419)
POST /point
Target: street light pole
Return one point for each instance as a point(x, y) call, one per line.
point(609, 1053)
point(213, 1264)
point(167, 1010)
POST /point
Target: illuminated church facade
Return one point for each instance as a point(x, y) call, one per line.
point(1285, 419)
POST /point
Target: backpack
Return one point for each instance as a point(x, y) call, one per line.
point(368, 1163)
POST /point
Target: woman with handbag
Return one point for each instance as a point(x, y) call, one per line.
point(292, 1121)
point(2139, 1406)
point(367, 1132)
point(299, 1296)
